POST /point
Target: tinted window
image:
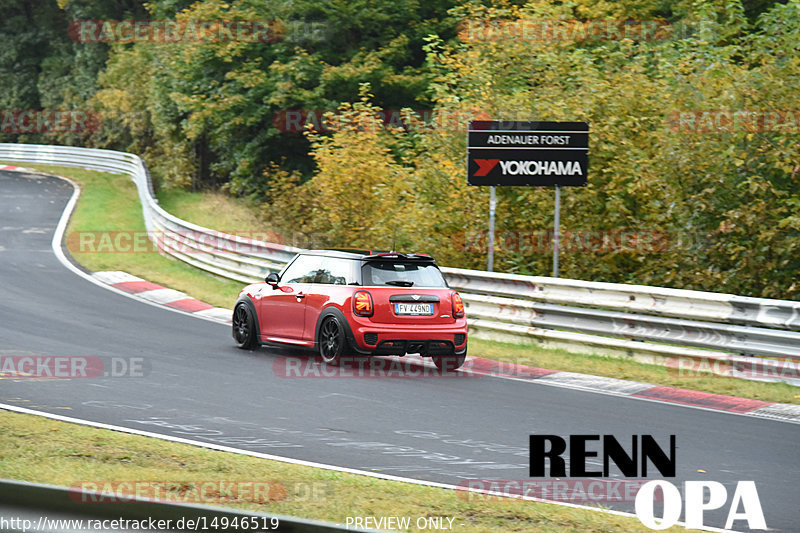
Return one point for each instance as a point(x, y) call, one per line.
point(302, 270)
point(400, 274)
point(333, 271)
point(318, 269)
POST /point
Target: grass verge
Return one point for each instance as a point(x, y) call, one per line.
point(213, 210)
point(48, 451)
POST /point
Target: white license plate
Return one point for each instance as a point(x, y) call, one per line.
point(413, 309)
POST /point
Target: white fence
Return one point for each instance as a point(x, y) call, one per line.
point(731, 335)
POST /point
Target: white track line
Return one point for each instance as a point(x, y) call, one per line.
point(58, 237)
point(387, 477)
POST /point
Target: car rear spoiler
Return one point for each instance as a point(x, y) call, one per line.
point(394, 256)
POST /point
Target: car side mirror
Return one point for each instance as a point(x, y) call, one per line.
point(273, 279)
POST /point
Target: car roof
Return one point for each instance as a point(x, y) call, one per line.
point(368, 255)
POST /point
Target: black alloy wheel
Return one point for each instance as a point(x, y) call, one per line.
point(244, 331)
point(332, 340)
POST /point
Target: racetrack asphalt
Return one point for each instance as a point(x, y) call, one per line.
point(198, 385)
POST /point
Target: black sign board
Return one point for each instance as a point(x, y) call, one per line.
point(527, 153)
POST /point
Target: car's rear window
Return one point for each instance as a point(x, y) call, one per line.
point(401, 274)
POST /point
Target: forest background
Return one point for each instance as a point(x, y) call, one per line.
point(694, 173)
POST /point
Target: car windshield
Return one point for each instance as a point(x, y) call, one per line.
point(401, 274)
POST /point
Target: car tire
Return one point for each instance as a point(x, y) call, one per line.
point(332, 341)
point(244, 329)
point(449, 363)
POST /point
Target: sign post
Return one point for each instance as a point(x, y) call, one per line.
point(492, 207)
point(556, 231)
point(527, 153)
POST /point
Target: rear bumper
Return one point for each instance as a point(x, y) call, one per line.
point(393, 339)
point(422, 347)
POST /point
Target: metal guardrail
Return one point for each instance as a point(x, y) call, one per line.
point(650, 324)
point(26, 506)
point(662, 301)
point(228, 256)
point(749, 326)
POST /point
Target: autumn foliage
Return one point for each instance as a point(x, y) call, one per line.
point(694, 168)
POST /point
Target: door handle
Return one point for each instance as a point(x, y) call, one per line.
point(300, 295)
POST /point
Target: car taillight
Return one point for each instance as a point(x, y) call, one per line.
point(362, 303)
point(458, 305)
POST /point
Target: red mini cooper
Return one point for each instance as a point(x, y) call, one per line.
point(351, 302)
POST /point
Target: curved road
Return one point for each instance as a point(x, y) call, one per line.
point(199, 386)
